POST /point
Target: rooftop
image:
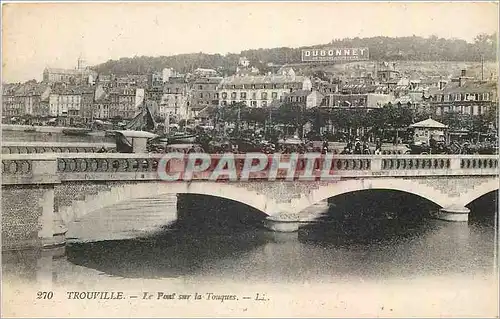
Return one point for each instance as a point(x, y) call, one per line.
point(300, 93)
point(209, 80)
point(70, 71)
point(262, 79)
point(429, 123)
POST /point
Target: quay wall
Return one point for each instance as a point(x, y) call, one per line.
point(42, 129)
point(21, 215)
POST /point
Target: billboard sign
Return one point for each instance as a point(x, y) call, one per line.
point(335, 54)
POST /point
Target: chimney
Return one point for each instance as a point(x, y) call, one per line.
point(461, 81)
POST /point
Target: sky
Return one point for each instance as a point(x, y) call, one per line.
point(40, 35)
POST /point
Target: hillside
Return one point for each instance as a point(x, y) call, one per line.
point(381, 49)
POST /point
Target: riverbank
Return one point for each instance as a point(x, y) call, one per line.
point(40, 129)
point(24, 133)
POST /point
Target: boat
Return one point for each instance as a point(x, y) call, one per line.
point(109, 133)
point(132, 141)
point(76, 131)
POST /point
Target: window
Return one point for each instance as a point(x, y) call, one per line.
point(200, 87)
point(253, 103)
point(264, 103)
point(224, 95)
point(263, 95)
point(274, 86)
point(201, 95)
point(486, 96)
point(253, 86)
point(243, 95)
point(274, 94)
point(254, 96)
point(233, 95)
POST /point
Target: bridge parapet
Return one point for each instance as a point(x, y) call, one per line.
point(22, 169)
point(18, 168)
point(43, 192)
point(53, 147)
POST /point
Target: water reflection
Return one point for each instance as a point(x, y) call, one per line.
point(171, 254)
point(343, 247)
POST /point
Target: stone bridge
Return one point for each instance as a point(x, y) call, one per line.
point(42, 193)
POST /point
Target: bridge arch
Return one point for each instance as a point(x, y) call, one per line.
point(480, 190)
point(354, 185)
point(125, 192)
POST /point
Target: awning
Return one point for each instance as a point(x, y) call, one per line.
point(429, 123)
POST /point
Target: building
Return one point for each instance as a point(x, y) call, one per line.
point(387, 74)
point(167, 73)
point(155, 80)
point(351, 101)
point(105, 81)
point(30, 98)
point(260, 91)
point(12, 106)
point(466, 97)
point(175, 99)
point(87, 103)
point(242, 71)
point(154, 93)
point(101, 108)
point(204, 93)
point(307, 99)
point(131, 80)
point(200, 72)
point(81, 75)
point(65, 104)
point(244, 67)
point(124, 102)
point(244, 62)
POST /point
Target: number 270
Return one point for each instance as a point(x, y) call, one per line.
point(44, 295)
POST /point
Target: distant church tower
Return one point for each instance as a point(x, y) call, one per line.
point(82, 64)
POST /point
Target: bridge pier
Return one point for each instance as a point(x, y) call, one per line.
point(453, 213)
point(284, 223)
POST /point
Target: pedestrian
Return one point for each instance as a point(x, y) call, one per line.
point(357, 147)
point(378, 146)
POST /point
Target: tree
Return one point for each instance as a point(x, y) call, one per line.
point(319, 117)
point(292, 114)
point(455, 120)
point(254, 115)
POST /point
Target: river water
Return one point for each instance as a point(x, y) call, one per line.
point(374, 253)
